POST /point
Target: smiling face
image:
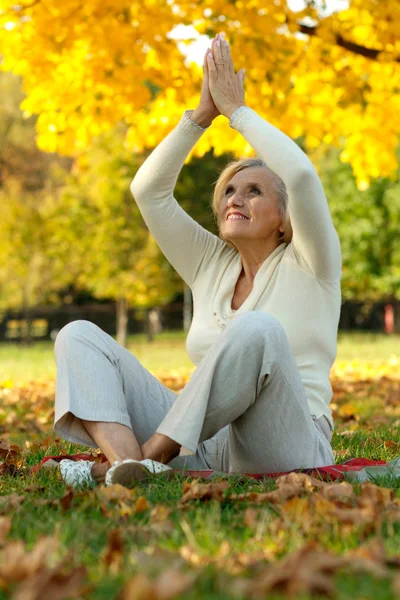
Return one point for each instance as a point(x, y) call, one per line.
point(249, 208)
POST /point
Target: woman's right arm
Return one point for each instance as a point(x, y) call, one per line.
point(184, 242)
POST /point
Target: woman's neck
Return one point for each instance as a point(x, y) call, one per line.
point(252, 261)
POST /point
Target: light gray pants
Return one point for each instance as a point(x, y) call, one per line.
point(244, 409)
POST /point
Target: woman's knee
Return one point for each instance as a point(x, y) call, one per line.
point(70, 333)
point(255, 325)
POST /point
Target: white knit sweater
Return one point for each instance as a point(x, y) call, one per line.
point(299, 283)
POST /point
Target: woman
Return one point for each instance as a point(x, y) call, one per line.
point(266, 309)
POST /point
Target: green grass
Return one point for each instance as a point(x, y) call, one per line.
point(367, 346)
point(205, 529)
point(21, 363)
point(213, 532)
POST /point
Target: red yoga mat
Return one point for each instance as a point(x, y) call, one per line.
point(328, 473)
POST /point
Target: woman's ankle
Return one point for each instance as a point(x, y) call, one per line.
point(99, 471)
point(160, 448)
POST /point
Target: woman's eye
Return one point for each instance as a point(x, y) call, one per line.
point(228, 190)
point(255, 189)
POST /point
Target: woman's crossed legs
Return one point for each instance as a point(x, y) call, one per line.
point(244, 409)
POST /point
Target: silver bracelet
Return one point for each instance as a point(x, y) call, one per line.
point(188, 114)
point(234, 114)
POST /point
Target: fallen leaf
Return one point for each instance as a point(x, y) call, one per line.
point(160, 513)
point(7, 468)
point(307, 571)
point(288, 486)
point(66, 500)
point(203, 491)
point(168, 585)
point(396, 585)
point(5, 526)
point(9, 452)
point(172, 583)
point(115, 493)
point(139, 588)
point(10, 501)
point(380, 497)
point(250, 518)
point(51, 585)
point(356, 516)
point(17, 564)
point(141, 505)
point(34, 488)
point(338, 492)
point(115, 551)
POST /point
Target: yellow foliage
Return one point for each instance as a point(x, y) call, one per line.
point(87, 66)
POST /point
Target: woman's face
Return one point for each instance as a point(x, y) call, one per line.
point(249, 207)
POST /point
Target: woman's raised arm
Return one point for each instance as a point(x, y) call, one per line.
point(183, 241)
point(315, 241)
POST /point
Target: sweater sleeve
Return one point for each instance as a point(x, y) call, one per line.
point(315, 241)
point(182, 240)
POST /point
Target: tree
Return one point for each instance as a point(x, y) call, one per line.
point(332, 78)
point(28, 275)
point(98, 220)
point(368, 224)
point(20, 158)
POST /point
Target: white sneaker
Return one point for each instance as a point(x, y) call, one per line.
point(76, 473)
point(129, 471)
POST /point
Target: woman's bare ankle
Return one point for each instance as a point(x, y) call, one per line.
point(160, 448)
point(99, 471)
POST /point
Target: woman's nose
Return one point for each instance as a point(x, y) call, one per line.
point(235, 200)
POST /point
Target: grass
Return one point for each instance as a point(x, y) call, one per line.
point(209, 539)
point(167, 353)
point(24, 363)
point(212, 534)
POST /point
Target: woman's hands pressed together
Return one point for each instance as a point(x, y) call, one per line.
point(222, 91)
point(226, 86)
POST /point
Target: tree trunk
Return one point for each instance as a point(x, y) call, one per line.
point(122, 321)
point(150, 330)
point(26, 333)
point(187, 308)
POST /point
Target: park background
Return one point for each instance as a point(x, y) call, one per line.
point(87, 90)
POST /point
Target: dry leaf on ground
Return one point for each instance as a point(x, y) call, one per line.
point(115, 493)
point(115, 551)
point(32, 570)
point(160, 513)
point(10, 502)
point(51, 585)
point(396, 585)
point(5, 526)
point(203, 491)
point(9, 452)
point(168, 585)
point(307, 571)
point(288, 486)
point(17, 563)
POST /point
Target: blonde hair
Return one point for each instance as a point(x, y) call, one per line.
point(246, 163)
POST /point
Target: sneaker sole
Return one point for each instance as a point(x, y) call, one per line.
point(127, 474)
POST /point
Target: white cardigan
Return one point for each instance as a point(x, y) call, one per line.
point(299, 283)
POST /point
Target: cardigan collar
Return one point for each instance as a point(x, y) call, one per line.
point(222, 303)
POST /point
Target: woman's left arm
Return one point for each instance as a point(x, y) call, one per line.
point(315, 241)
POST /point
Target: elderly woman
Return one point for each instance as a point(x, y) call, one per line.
point(266, 308)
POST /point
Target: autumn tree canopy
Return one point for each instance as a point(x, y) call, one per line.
point(330, 78)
